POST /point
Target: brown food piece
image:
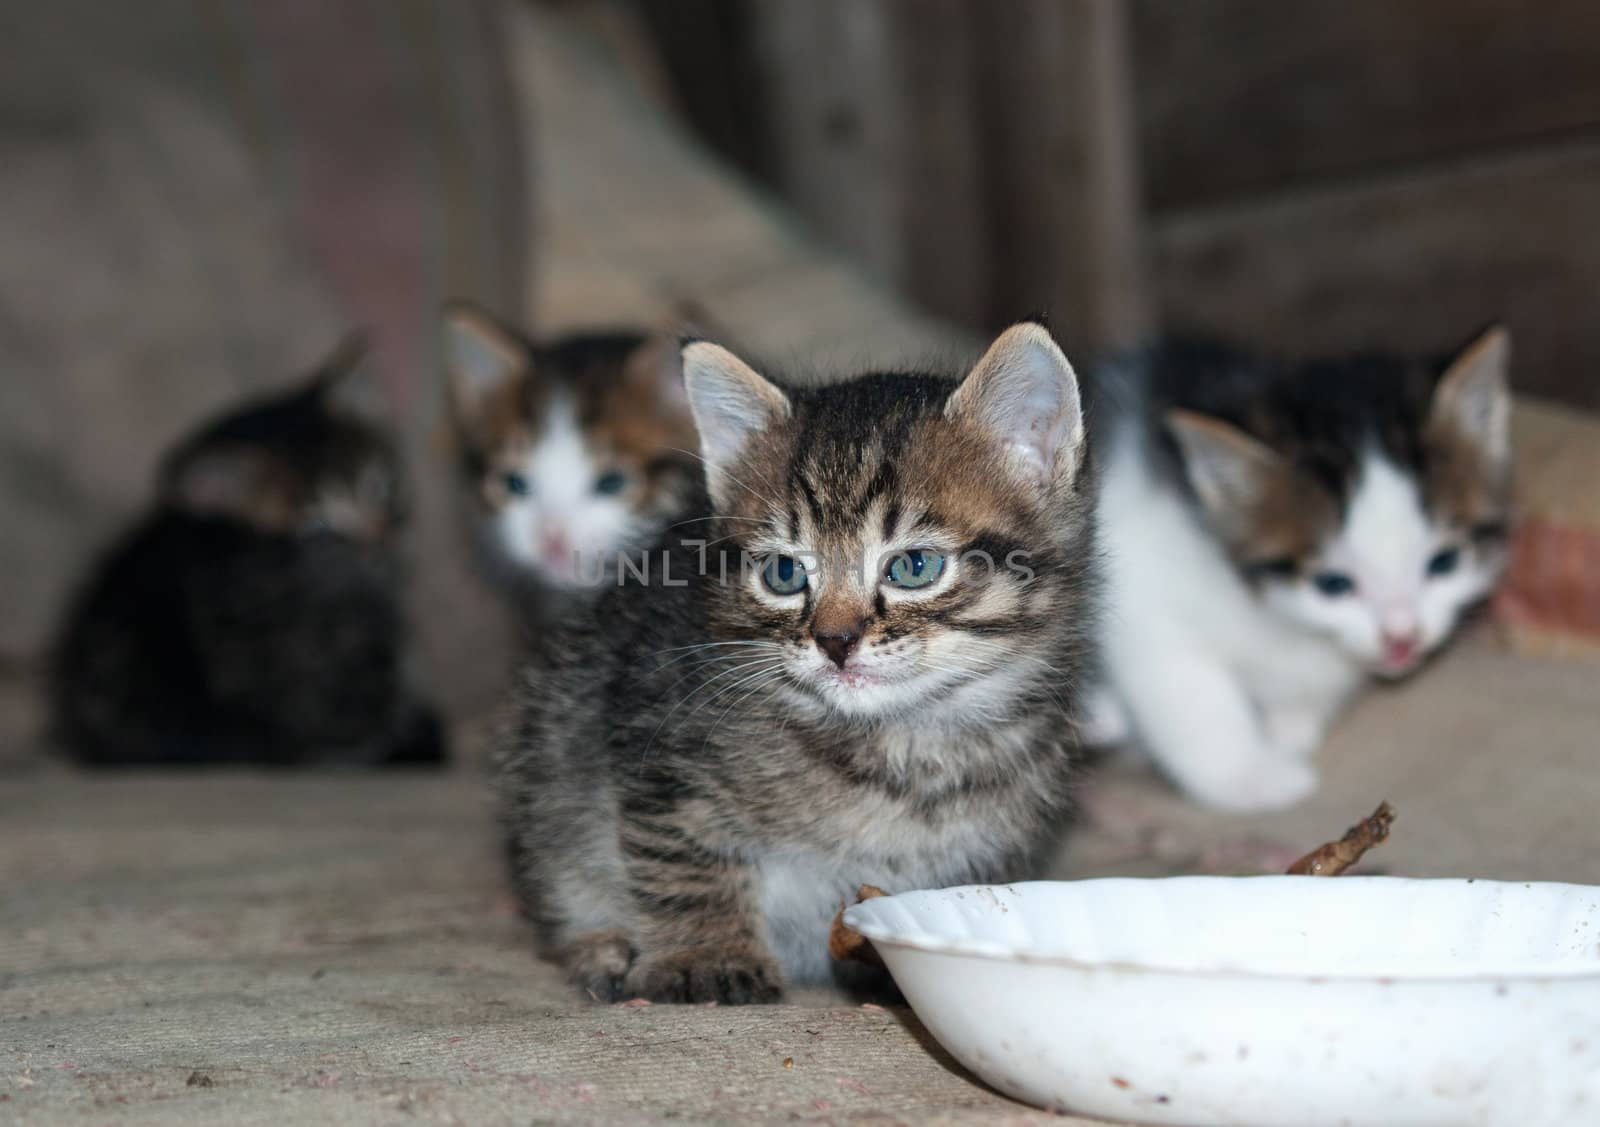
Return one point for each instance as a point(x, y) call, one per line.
point(1334, 858)
point(847, 945)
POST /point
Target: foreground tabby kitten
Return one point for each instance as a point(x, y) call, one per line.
point(254, 614)
point(575, 450)
point(705, 767)
point(1275, 534)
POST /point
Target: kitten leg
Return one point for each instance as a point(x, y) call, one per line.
point(418, 738)
point(597, 963)
point(699, 934)
point(1104, 722)
point(1297, 731)
point(566, 868)
point(1297, 725)
point(1195, 720)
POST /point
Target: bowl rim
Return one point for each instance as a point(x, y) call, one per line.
point(998, 951)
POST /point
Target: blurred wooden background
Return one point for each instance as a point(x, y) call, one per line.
point(1309, 175)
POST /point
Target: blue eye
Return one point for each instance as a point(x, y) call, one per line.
point(1444, 561)
point(516, 484)
point(784, 575)
point(610, 483)
point(918, 567)
point(1333, 583)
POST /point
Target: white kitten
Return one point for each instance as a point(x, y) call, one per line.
point(576, 450)
point(1274, 535)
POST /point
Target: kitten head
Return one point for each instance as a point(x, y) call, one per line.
point(577, 450)
point(905, 544)
point(1369, 498)
point(304, 463)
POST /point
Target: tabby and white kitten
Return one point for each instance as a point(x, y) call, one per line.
point(576, 450)
point(705, 767)
point(253, 615)
point(1276, 534)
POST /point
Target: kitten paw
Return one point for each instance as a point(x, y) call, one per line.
point(1297, 734)
point(597, 962)
point(1260, 784)
point(706, 974)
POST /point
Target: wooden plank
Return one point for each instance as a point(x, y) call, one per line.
point(834, 117)
point(940, 176)
point(1247, 95)
point(1062, 181)
point(870, 112)
point(979, 159)
point(1408, 261)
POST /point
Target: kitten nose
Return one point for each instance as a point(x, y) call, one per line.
point(555, 548)
point(840, 642)
point(1400, 646)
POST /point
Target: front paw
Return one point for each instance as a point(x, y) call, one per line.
point(1255, 785)
point(597, 963)
point(706, 974)
point(1295, 733)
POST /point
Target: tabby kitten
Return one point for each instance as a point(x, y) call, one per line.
point(1275, 534)
point(253, 616)
point(859, 671)
point(576, 450)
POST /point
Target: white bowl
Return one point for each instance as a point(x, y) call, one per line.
point(1262, 1000)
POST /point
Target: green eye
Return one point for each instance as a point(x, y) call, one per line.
point(784, 575)
point(610, 483)
point(918, 567)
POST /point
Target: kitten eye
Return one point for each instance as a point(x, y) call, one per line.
point(918, 567)
point(1333, 583)
point(516, 484)
point(610, 483)
point(1444, 561)
point(784, 575)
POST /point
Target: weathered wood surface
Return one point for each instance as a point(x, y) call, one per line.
point(1416, 261)
point(1246, 96)
point(979, 158)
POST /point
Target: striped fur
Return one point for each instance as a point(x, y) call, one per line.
point(691, 786)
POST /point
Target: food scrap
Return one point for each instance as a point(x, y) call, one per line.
point(1335, 857)
point(847, 945)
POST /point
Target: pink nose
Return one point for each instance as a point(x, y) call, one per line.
point(1400, 648)
point(556, 550)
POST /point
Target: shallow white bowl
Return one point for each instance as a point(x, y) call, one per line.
point(1262, 1000)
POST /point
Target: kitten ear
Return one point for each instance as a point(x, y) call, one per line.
point(731, 403)
point(1025, 393)
point(1473, 397)
point(345, 381)
point(1228, 469)
point(481, 356)
point(655, 369)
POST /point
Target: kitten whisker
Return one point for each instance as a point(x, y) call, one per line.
point(704, 685)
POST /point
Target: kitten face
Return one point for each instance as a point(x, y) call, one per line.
point(905, 538)
point(1381, 534)
point(576, 451)
point(303, 464)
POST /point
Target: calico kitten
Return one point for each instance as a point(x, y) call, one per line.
point(576, 450)
point(253, 615)
point(1277, 533)
point(860, 670)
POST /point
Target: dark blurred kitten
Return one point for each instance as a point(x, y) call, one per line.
point(574, 450)
point(254, 615)
point(705, 766)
